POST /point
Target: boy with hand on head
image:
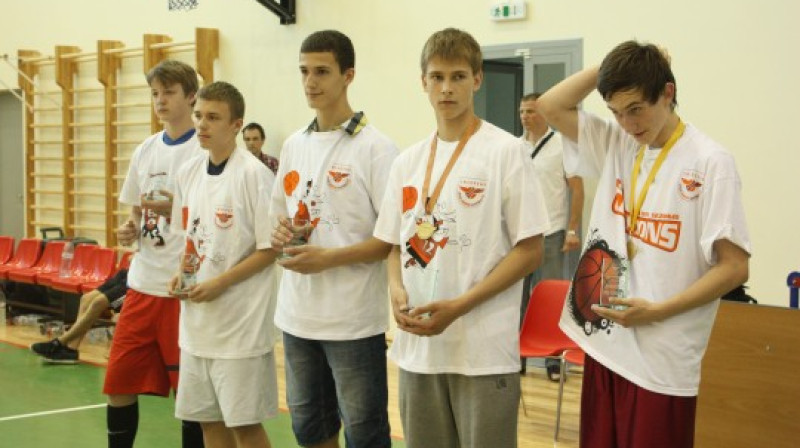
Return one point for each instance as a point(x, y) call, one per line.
point(645, 345)
point(465, 217)
point(227, 377)
point(333, 174)
point(144, 352)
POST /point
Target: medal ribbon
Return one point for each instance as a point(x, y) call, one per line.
point(637, 206)
point(430, 201)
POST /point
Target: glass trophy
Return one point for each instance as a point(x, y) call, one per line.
point(613, 283)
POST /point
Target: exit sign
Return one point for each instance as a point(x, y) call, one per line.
point(514, 10)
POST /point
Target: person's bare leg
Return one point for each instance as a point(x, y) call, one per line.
point(251, 436)
point(93, 303)
point(217, 435)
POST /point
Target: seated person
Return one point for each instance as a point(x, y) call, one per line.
point(94, 304)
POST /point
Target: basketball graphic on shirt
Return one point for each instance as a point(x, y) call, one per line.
point(587, 284)
point(290, 181)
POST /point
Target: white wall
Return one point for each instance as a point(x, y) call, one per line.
point(737, 71)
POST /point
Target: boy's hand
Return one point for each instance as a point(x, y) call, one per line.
point(305, 259)
point(400, 308)
point(282, 234)
point(205, 291)
point(571, 242)
point(127, 233)
point(433, 318)
point(174, 285)
point(637, 312)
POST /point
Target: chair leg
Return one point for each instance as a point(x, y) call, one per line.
point(561, 377)
point(524, 406)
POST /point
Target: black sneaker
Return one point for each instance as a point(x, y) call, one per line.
point(45, 348)
point(553, 367)
point(55, 352)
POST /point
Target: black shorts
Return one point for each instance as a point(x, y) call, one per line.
point(115, 288)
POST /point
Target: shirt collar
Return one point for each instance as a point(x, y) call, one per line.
point(524, 137)
point(352, 126)
point(182, 139)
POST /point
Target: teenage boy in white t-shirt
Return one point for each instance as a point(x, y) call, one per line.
point(465, 217)
point(677, 240)
point(144, 354)
point(332, 304)
point(227, 376)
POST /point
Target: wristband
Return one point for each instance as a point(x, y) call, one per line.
point(572, 233)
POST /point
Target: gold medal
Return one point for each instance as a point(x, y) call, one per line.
point(425, 230)
point(631, 249)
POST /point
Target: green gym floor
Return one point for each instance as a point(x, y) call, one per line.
point(62, 406)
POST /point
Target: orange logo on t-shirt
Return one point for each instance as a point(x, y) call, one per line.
point(661, 230)
point(223, 217)
point(691, 184)
point(471, 191)
point(338, 176)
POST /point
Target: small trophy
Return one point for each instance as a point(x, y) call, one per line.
point(613, 283)
point(191, 264)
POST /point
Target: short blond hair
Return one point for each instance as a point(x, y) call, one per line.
point(225, 93)
point(452, 44)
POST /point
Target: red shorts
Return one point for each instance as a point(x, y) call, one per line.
point(144, 353)
point(616, 413)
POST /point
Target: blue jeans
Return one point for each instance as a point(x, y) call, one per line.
point(333, 382)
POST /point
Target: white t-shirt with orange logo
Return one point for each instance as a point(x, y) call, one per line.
point(226, 222)
point(337, 180)
point(694, 201)
point(489, 202)
point(153, 165)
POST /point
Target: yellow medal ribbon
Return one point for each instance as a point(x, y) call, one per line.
point(636, 207)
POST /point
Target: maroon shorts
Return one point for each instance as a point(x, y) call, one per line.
point(144, 352)
point(616, 413)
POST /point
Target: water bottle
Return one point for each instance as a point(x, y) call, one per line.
point(66, 259)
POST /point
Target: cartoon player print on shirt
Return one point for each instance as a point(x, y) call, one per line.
point(157, 184)
point(150, 227)
point(199, 245)
point(303, 214)
point(596, 279)
point(422, 246)
point(430, 234)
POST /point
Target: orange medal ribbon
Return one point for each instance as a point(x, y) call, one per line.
point(425, 229)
